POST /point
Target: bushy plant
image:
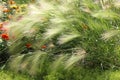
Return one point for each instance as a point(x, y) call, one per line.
point(8, 9)
point(6, 75)
point(65, 34)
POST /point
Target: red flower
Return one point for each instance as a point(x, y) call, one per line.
point(5, 36)
point(28, 45)
point(44, 46)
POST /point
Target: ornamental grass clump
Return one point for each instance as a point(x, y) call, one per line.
point(82, 33)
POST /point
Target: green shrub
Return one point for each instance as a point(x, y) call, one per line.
point(7, 75)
